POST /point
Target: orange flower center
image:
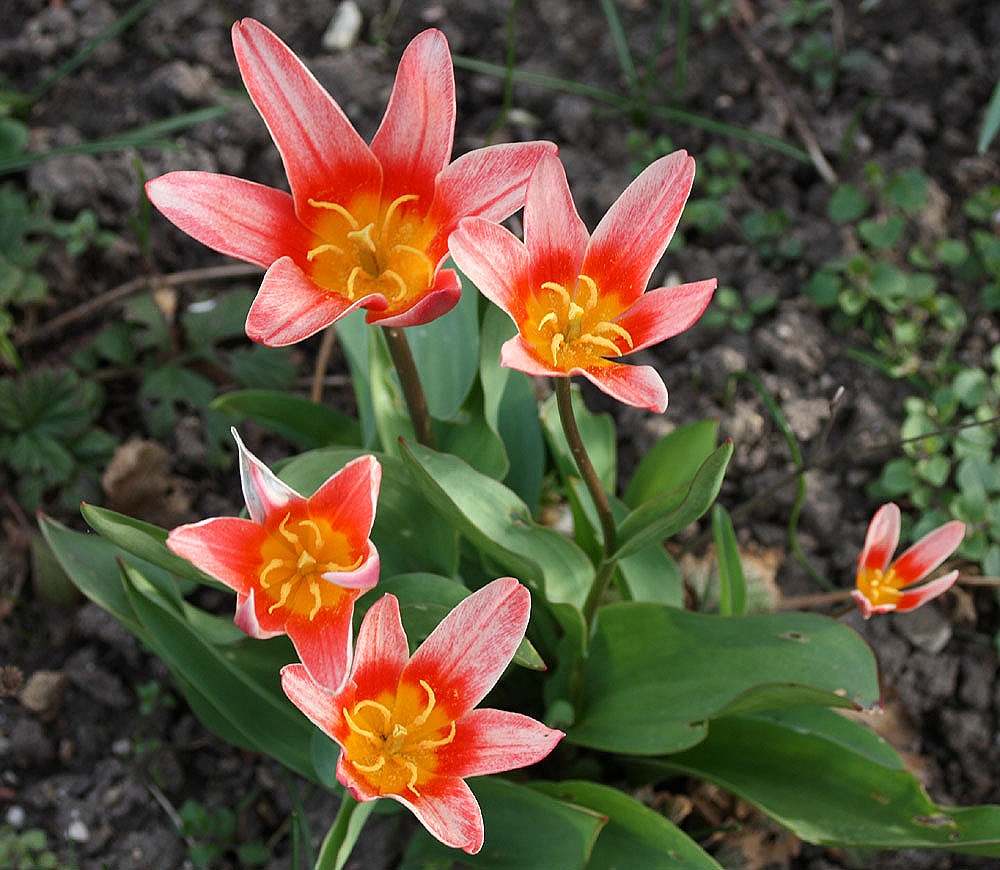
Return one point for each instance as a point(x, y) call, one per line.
point(394, 741)
point(576, 329)
point(371, 248)
point(880, 587)
point(294, 559)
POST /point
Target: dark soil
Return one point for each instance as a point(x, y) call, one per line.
point(102, 753)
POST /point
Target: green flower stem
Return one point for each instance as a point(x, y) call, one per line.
point(606, 570)
point(343, 833)
point(409, 379)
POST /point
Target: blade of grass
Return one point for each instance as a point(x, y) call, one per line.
point(621, 45)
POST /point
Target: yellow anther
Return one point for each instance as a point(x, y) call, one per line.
point(381, 709)
point(283, 530)
point(370, 768)
point(351, 279)
point(414, 773)
point(591, 285)
point(323, 249)
point(558, 288)
point(317, 598)
point(286, 589)
point(420, 255)
point(548, 318)
point(396, 278)
point(615, 329)
point(312, 524)
point(391, 210)
point(601, 342)
point(558, 340)
point(431, 701)
point(273, 565)
point(338, 208)
point(444, 741)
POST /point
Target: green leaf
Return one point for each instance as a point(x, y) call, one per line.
point(654, 675)
point(408, 533)
point(672, 462)
point(907, 189)
point(831, 782)
point(353, 333)
point(268, 721)
point(525, 830)
point(144, 540)
point(668, 514)
point(597, 432)
point(499, 524)
point(446, 352)
point(651, 574)
point(847, 204)
point(303, 422)
point(732, 584)
point(634, 835)
point(883, 233)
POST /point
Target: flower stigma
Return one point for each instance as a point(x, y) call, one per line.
point(294, 559)
point(393, 747)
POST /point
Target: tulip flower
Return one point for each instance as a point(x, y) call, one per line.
point(883, 586)
point(577, 299)
point(364, 226)
point(297, 564)
point(406, 726)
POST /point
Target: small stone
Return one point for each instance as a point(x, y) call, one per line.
point(344, 28)
point(16, 816)
point(43, 693)
point(77, 831)
point(925, 628)
point(122, 747)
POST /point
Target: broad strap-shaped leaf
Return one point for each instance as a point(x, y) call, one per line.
point(634, 836)
point(303, 422)
point(857, 792)
point(672, 462)
point(524, 829)
point(499, 524)
point(655, 675)
point(668, 514)
point(732, 584)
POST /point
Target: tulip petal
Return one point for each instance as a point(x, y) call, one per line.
point(492, 741)
point(289, 307)
point(639, 386)
point(414, 140)
point(516, 353)
point(913, 598)
point(446, 294)
point(227, 548)
point(554, 233)
point(472, 645)
point(881, 539)
point(489, 182)
point(322, 152)
point(320, 706)
point(864, 605)
point(665, 312)
point(347, 500)
point(495, 261)
point(632, 236)
point(246, 617)
point(381, 652)
point(929, 552)
point(324, 644)
point(233, 216)
point(450, 812)
point(263, 491)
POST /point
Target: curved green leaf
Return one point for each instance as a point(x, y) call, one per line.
point(655, 675)
point(302, 421)
point(672, 462)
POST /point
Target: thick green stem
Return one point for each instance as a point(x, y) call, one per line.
point(409, 379)
point(605, 572)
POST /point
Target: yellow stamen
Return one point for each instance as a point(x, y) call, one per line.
point(558, 340)
point(591, 286)
point(548, 318)
point(391, 210)
point(338, 208)
point(558, 288)
point(323, 249)
point(598, 341)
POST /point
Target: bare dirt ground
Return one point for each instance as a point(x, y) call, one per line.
point(105, 755)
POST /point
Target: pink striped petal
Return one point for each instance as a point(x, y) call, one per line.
point(864, 605)
point(881, 539)
point(631, 238)
point(488, 182)
point(322, 152)
point(233, 216)
point(665, 312)
point(516, 353)
point(471, 647)
point(226, 548)
point(348, 498)
point(554, 234)
point(289, 307)
point(450, 812)
point(639, 386)
point(913, 598)
point(246, 618)
point(495, 261)
point(492, 741)
point(445, 296)
point(320, 706)
point(929, 552)
point(414, 141)
point(263, 491)
point(381, 652)
point(362, 578)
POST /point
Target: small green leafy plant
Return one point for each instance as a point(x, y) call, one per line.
point(27, 850)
